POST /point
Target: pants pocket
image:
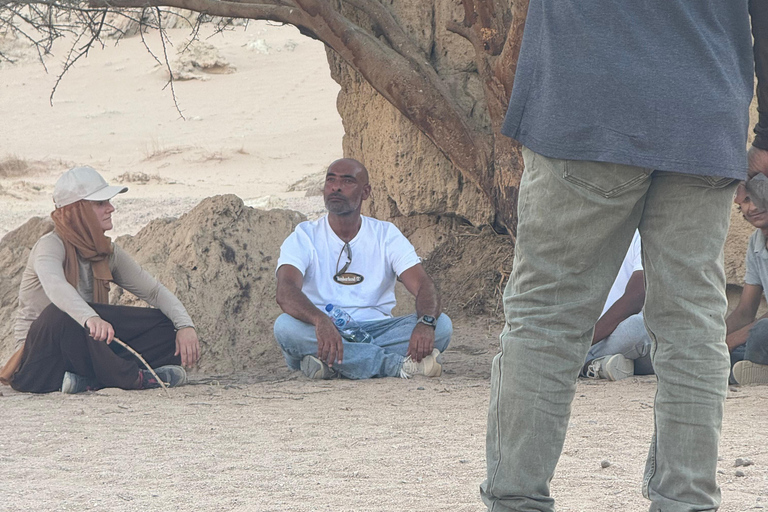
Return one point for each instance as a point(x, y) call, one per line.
point(717, 181)
point(602, 178)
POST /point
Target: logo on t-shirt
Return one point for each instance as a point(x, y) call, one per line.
point(348, 278)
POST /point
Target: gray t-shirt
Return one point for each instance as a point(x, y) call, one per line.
point(661, 84)
point(757, 262)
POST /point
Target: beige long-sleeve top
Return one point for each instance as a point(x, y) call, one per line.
point(43, 282)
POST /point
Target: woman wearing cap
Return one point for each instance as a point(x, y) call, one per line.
point(65, 322)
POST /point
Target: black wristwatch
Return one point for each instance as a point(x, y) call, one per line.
point(429, 320)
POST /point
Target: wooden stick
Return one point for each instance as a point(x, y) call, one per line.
point(162, 384)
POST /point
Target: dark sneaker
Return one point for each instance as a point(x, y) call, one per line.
point(74, 383)
point(172, 376)
point(315, 369)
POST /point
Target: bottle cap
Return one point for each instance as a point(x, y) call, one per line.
point(329, 307)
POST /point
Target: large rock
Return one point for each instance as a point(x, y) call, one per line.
point(219, 259)
point(15, 247)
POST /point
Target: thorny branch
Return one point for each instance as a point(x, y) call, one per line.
point(163, 38)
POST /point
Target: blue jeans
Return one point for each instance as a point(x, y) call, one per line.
point(756, 347)
point(576, 221)
point(383, 357)
point(631, 340)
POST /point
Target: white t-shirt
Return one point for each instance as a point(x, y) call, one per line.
point(380, 253)
point(633, 261)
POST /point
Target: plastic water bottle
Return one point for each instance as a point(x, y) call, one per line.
point(349, 329)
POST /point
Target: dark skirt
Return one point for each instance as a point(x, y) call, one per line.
point(56, 343)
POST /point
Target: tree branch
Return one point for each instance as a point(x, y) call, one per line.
point(70, 61)
point(277, 11)
point(505, 66)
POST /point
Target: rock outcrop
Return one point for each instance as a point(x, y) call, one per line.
point(219, 259)
point(15, 247)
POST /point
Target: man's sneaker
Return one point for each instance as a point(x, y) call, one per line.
point(315, 369)
point(747, 372)
point(171, 375)
point(615, 367)
point(74, 383)
point(428, 367)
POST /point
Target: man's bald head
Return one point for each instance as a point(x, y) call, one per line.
point(349, 167)
point(346, 187)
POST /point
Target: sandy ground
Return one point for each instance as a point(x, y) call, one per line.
point(276, 441)
point(271, 440)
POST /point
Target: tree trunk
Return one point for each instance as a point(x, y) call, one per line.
point(413, 174)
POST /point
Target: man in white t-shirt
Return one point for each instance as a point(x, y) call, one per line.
point(621, 345)
point(352, 261)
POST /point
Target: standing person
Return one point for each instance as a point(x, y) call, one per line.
point(632, 115)
point(64, 322)
point(352, 261)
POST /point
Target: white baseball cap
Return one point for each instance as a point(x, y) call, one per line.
point(83, 183)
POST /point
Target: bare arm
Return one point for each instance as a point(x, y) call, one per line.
point(293, 302)
point(741, 320)
point(631, 303)
point(423, 288)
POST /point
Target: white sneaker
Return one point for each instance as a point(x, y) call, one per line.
point(746, 373)
point(615, 367)
point(428, 367)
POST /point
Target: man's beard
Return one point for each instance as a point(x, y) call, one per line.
point(343, 207)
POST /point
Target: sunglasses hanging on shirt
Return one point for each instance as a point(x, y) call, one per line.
point(342, 276)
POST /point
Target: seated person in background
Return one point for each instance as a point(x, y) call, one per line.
point(747, 337)
point(621, 345)
point(352, 261)
point(64, 320)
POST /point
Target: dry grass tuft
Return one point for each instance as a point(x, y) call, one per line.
point(140, 178)
point(12, 166)
point(212, 156)
point(157, 152)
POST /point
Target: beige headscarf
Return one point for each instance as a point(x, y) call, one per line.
point(77, 226)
